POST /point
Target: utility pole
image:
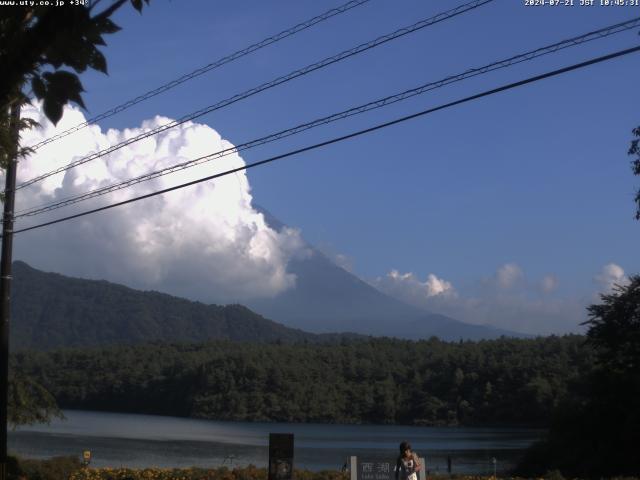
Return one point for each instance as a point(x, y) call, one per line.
point(5, 283)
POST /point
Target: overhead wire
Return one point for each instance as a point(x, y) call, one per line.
point(268, 85)
point(355, 134)
point(513, 60)
point(204, 69)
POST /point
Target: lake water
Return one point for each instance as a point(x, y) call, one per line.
point(146, 440)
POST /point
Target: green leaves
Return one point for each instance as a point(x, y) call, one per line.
point(104, 25)
point(56, 89)
point(56, 39)
point(38, 87)
point(98, 62)
point(137, 4)
point(30, 402)
point(8, 147)
point(634, 149)
point(614, 328)
point(595, 430)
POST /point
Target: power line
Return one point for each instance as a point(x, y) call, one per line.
point(207, 68)
point(273, 83)
point(530, 55)
point(358, 133)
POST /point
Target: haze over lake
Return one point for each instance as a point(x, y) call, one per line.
point(146, 440)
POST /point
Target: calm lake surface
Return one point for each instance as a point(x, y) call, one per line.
point(147, 440)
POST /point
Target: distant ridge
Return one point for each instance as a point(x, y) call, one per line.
point(50, 310)
point(328, 298)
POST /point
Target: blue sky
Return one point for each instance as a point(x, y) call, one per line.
point(536, 177)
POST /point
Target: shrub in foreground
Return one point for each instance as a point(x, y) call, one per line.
point(222, 473)
point(56, 468)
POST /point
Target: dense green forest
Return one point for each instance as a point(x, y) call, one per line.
point(431, 382)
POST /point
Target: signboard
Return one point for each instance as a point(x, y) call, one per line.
point(376, 470)
point(363, 468)
point(280, 456)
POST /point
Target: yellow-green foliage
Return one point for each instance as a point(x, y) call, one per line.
point(56, 468)
point(69, 468)
point(223, 473)
point(247, 473)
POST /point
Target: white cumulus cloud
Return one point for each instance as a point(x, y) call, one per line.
point(504, 300)
point(610, 276)
point(509, 275)
point(205, 241)
point(408, 287)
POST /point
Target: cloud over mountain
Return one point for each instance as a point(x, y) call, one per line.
point(205, 242)
point(407, 287)
point(505, 299)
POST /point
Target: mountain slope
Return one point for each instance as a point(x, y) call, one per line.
point(50, 310)
point(328, 298)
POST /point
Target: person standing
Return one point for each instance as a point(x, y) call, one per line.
point(408, 465)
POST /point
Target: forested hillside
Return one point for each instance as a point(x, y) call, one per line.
point(52, 311)
point(505, 381)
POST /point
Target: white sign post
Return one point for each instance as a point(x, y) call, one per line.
point(379, 470)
